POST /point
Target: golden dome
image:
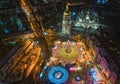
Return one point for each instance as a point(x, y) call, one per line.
point(66, 12)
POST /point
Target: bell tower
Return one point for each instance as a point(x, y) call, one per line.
point(66, 22)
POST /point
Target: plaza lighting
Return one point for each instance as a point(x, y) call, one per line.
point(74, 13)
point(41, 75)
point(75, 68)
point(45, 67)
point(71, 69)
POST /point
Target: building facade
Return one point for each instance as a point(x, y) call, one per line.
point(14, 56)
point(105, 63)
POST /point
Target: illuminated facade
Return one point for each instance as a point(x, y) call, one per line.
point(87, 19)
point(66, 23)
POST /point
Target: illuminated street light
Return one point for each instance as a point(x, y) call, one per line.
point(45, 33)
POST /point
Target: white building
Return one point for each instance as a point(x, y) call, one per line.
point(66, 23)
point(87, 19)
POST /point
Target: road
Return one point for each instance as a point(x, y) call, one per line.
point(36, 26)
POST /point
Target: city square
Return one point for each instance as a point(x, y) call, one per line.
point(79, 63)
point(59, 42)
